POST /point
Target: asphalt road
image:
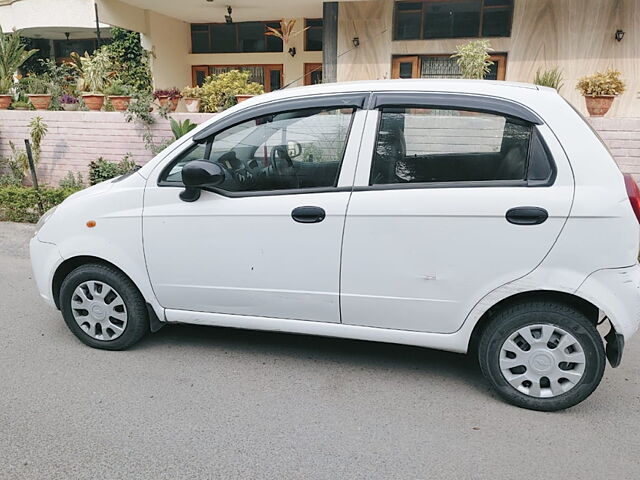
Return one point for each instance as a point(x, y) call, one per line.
point(201, 402)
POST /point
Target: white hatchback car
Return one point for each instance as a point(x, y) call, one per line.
point(456, 215)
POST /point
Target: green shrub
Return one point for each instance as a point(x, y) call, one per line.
point(219, 91)
point(101, 169)
point(473, 59)
point(549, 78)
point(130, 59)
point(181, 128)
point(72, 181)
point(601, 83)
point(20, 204)
point(12, 167)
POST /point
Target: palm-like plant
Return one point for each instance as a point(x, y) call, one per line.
point(12, 55)
point(94, 70)
point(285, 32)
point(473, 59)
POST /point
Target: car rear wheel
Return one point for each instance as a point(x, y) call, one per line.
point(542, 355)
point(103, 308)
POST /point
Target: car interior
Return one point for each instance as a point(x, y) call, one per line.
point(392, 163)
point(255, 163)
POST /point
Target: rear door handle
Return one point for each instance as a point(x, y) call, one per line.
point(527, 215)
point(308, 214)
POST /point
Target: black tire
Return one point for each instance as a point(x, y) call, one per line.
point(514, 317)
point(137, 316)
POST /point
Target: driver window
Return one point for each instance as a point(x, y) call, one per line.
point(288, 150)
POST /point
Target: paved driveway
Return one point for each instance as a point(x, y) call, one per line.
point(198, 402)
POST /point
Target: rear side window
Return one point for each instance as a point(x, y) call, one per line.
point(433, 145)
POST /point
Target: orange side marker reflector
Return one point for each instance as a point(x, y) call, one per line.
point(91, 223)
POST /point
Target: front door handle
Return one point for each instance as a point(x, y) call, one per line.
point(308, 214)
point(527, 215)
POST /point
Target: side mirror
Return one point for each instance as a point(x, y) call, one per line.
point(294, 149)
point(198, 174)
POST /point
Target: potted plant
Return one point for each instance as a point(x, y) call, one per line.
point(119, 94)
point(5, 98)
point(20, 105)
point(94, 72)
point(38, 89)
point(168, 98)
point(221, 91)
point(599, 90)
point(551, 78)
point(191, 97)
point(12, 56)
point(69, 102)
point(473, 59)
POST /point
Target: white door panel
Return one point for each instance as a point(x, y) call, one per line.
point(420, 259)
point(241, 252)
point(245, 256)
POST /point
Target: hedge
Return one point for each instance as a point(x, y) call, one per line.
point(20, 204)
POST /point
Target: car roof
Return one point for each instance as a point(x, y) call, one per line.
point(478, 87)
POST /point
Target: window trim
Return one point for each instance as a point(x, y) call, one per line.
point(456, 101)
point(242, 119)
point(462, 183)
point(355, 100)
point(423, 13)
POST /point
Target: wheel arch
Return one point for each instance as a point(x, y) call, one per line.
point(70, 264)
point(590, 310)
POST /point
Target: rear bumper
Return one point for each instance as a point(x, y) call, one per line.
point(616, 292)
point(45, 258)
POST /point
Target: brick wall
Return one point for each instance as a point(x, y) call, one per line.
point(76, 138)
point(622, 136)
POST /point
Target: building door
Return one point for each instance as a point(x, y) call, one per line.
point(442, 66)
point(312, 73)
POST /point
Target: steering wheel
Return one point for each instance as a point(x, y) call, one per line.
point(279, 156)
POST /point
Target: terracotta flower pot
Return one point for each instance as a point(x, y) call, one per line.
point(40, 102)
point(120, 102)
point(93, 101)
point(170, 103)
point(242, 98)
point(5, 101)
point(599, 106)
point(192, 104)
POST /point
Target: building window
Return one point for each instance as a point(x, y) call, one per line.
point(313, 34)
point(241, 37)
point(430, 19)
point(269, 76)
point(442, 66)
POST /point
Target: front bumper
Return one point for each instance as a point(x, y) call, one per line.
point(45, 258)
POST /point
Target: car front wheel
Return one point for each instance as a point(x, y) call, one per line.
point(542, 355)
point(103, 307)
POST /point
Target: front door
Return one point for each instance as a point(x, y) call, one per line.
point(428, 233)
point(246, 247)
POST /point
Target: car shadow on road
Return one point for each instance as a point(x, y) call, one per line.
point(355, 353)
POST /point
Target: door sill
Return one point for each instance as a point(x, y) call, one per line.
point(453, 342)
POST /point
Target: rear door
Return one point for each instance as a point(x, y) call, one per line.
point(454, 196)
